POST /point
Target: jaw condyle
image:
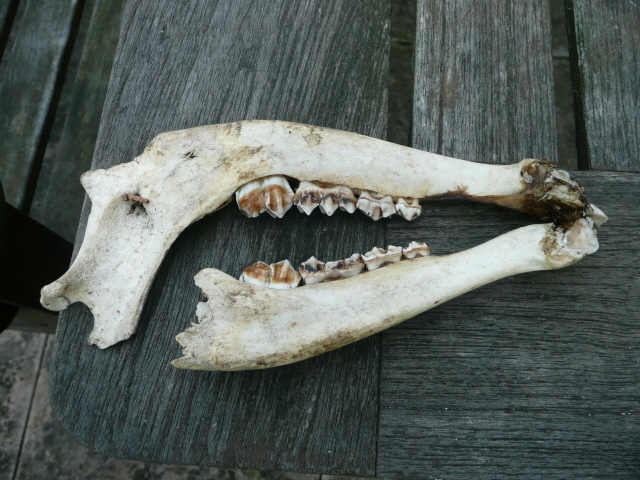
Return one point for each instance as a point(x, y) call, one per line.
point(139, 208)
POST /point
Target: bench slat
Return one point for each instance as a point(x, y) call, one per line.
point(318, 62)
point(536, 373)
point(28, 74)
point(58, 198)
point(604, 39)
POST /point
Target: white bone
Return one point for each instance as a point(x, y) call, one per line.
point(187, 174)
point(288, 329)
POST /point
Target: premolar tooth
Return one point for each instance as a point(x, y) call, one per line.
point(279, 275)
point(379, 257)
point(376, 205)
point(313, 271)
point(415, 249)
point(347, 268)
point(307, 197)
point(338, 196)
point(409, 208)
point(250, 199)
point(278, 196)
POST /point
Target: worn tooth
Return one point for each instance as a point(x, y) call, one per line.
point(376, 205)
point(313, 271)
point(328, 205)
point(347, 268)
point(279, 275)
point(338, 196)
point(409, 208)
point(250, 199)
point(307, 197)
point(283, 276)
point(379, 256)
point(278, 196)
point(257, 274)
point(415, 249)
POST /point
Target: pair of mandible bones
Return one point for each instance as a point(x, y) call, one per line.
point(182, 176)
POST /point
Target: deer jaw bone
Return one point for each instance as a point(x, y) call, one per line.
point(139, 208)
point(286, 327)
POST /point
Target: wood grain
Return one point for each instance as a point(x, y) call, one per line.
point(324, 63)
point(58, 198)
point(535, 374)
point(483, 86)
point(604, 45)
point(28, 75)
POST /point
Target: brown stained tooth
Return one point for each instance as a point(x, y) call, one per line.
point(313, 271)
point(415, 249)
point(376, 205)
point(257, 274)
point(379, 257)
point(408, 208)
point(339, 196)
point(307, 197)
point(279, 275)
point(271, 194)
point(278, 195)
point(283, 276)
point(250, 199)
point(347, 268)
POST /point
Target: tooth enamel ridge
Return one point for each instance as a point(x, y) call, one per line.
point(415, 249)
point(408, 208)
point(280, 276)
point(376, 205)
point(271, 194)
point(379, 257)
point(329, 199)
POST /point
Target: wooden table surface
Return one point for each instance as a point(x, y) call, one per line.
point(535, 375)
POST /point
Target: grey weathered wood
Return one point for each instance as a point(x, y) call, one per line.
point(604, 41)
point(8, 9)
point(318, 62)
point(20, 355)
point(29, 71)
point(484, 80)
point(536, 375)
point(59, 196)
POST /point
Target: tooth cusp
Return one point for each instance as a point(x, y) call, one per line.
point(408, 208)
point(271, 194)
point(314, 271)
point(279, 275)
point(415, 249)
point(309, 196)
point(376, 205)
point(379, 257)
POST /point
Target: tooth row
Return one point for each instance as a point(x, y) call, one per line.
point(309, 196)
point(271, 194)
point(282, 275)
point(279, 275)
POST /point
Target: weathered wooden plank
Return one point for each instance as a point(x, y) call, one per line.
point(59, 196)
point(323, 63)
point(20, 355)
point(604, 41)
point(483, 80)
point(537, 374)
point(29, 71)
point(48, 451)
point(8, 10)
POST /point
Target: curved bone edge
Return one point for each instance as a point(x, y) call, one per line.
point(189, 173)
point(232, 336)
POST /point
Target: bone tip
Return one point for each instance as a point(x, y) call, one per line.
point(52, 297)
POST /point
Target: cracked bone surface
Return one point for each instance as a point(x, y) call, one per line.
point(229, 336)
point(187, 174)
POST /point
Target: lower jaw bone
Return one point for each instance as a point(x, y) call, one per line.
point(231, 337)
point(185, 175)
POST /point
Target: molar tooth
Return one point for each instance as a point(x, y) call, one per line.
point(250, 199)
point(307, 197)
point(415, 249)
point(338, 196)
point(349, 267)
point(279, 275)
point(257, 274)
point(313, 271)
point(376, 205)
point(409, 208)
point(283, 276)
point(378, 257)
point(278, 196)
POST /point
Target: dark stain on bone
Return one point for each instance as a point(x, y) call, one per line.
point(136, 202)
point(190, 155)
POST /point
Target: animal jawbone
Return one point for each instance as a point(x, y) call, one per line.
point(139, 208)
